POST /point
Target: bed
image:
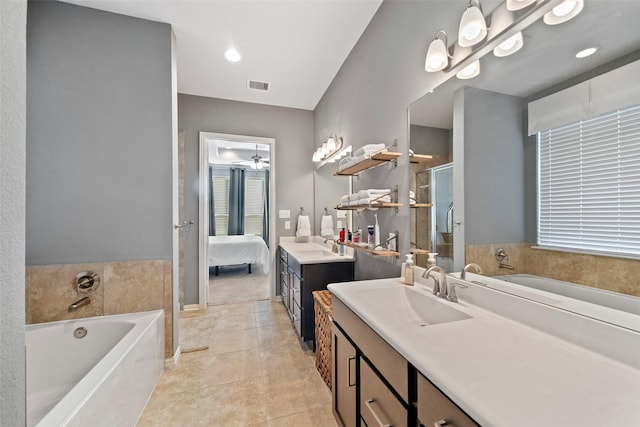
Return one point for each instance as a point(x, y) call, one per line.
point(233, 250)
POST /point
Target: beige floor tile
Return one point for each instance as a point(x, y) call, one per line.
point(227, 341)
point(170, 411)
point(236, 321)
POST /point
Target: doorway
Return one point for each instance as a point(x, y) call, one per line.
point(237, 197)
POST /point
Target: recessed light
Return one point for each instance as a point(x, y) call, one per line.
point(232, 55)
point(586, 52)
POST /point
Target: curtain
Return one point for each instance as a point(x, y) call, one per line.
point(265, 215)
point(236, 202)
point(212, 213)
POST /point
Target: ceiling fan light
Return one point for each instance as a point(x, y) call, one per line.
point(509, 46)
point(518, 4)
point(473, 26)
point(437, 56)
point(470, 71)
point(563, 12)
point(259, 165)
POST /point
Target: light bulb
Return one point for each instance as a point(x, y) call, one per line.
point(470, 71)
point(473, 27)
point(232, 55)
point(586, 52)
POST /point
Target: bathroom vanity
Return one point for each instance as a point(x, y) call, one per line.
point(402, 356)
point(304, 268)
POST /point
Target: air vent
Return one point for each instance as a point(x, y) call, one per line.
point(258, 85)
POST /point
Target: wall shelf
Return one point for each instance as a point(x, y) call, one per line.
point(421, 205)
point(420, 158)
point(372, 161)
point(384, 252)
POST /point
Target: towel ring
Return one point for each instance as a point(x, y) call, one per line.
point(301, 211)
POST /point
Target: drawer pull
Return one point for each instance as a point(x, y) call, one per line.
point(381, 423)
point(440, 423)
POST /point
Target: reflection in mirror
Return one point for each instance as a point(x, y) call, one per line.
point(546, 63)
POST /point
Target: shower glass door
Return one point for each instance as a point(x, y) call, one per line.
point(442, 215)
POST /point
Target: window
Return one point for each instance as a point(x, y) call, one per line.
point(221, 204)
point(589, 185)
point(253, 205)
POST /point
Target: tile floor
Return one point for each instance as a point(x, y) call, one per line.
point(253, 373)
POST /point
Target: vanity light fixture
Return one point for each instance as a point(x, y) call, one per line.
point(232, 55)
point(586, 52)
point(470, 71)
point(563, 12)
point(509, 46)
point(473, 26)
point(437, 53)
point(325, 154)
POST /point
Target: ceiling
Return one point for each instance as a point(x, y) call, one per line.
point(297, 46)
point(223, 152)
point(547, 58)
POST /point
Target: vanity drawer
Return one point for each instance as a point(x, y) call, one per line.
point(378, 406)
point(434, 407)
point(393, 367)
point(296, 317)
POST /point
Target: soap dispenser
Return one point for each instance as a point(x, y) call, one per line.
point(431, 261)
point(408, 270)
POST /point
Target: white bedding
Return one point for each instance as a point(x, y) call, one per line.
point(232, 250)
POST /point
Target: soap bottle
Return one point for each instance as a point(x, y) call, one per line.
point(376, 232)
point(408, 270)
point(431, 261)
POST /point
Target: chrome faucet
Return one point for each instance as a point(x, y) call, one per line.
point(451, 294)
point(468, 267)
point(81, 302)
point(440, 283)
point(334, 245)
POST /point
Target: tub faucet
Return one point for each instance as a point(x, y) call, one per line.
point(440, 281)
point(76, 305)
point(471, 265)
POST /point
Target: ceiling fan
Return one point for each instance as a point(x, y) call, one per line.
point(256, 162)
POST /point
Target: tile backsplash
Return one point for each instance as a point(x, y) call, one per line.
point(603, 272)
point(125, 287)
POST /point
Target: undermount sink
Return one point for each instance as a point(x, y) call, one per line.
point(315, 253)
point(409, 306)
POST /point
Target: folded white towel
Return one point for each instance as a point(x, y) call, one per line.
point(363, 194)
point(368, 149)
point(344, 198)
point(374, 200)
point(326, 226)
point(412, 195)
point(304, 226)
point(354, 196)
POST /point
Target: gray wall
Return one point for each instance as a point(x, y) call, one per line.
point(13, 18)
point(98, 136)
point(368, 99)
point(293, 133)
point(494, 167)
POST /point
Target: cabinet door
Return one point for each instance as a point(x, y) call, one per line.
point(378, 406)
point(343, 356)
point(434, 408)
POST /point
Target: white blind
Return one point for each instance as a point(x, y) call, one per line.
point(589, 184)
point(253, 205)
point(221, 204)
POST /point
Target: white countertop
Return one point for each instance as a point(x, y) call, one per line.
point(505, 373)
point(314, 251)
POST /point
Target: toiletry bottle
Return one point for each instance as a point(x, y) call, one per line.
point(370, 235)
point(356, 237)
point(376, 232)
point(342, 235)
point(408, 270)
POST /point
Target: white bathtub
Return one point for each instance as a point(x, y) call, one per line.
point(103, 379)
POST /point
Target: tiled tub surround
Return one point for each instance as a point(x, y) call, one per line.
point(603, 272)
point(125, 287)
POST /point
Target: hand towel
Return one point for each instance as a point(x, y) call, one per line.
point(374, 200)
point(412, 198)
point(326, 226)
point(373, 192)
point(304, 226)
point(368, 149)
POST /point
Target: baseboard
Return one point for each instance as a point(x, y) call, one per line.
point(172, 361)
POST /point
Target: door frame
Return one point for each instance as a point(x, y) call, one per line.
point(203, 202)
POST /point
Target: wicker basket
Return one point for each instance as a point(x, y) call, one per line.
point(322, 309)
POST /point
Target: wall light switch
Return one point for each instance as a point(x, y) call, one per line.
point(339, 224)
point(287, 225)
point(284, 213)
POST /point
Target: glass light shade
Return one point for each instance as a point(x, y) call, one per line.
point(470, 71)
point(509, 46)
point(331, 160)
point(316, 157)
point(473, 27)
point(437, 56)
point(331, 143)
point(518, 4)
point(325, 148)
point(563, 12)
point(259, 165)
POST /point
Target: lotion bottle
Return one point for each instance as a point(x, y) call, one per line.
point(377, 233)
point(408, 270)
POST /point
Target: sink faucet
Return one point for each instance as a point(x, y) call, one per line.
point(440, 281)
point(334, 246)
point(76, 305)
point(468, 267)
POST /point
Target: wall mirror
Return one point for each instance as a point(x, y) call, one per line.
point(547, 59)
